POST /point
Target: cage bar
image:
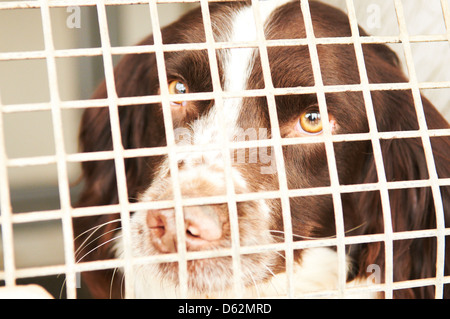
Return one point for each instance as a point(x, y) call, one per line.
point(11, 273)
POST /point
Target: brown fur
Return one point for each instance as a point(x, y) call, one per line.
point(412, 209)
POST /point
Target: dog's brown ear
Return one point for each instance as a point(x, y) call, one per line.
point(140, 127)
point(411, 208)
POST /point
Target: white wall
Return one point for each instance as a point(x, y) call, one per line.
point(423, 17)
point(26, 81)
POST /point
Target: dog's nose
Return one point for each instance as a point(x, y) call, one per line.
point(202, 226)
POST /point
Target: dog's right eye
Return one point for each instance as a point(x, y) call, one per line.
point(177, 87)
point(310, 122)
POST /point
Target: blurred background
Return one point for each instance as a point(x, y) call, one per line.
point(29, 134)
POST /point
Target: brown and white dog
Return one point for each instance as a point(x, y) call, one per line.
point(202, 174)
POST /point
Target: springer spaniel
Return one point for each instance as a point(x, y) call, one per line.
point(203, 174)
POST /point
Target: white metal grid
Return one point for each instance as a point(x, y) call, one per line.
point(11, 273)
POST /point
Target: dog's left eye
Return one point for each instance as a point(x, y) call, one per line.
point(177, 87)
point(310, 122)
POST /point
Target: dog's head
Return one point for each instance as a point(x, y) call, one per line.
point(210, 164)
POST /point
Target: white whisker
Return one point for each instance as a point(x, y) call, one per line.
point(298, 236)
point(94, 230)
point(112, 281)
point(121, 287)
point(85, 245)
point(311, 238)
point(102, 244)
point(273, 275)
point(258, 294)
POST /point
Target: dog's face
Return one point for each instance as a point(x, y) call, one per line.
point(220, 171)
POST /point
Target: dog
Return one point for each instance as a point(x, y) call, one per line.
point(251, 170)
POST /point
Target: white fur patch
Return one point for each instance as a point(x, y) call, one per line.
point(237, 65)
point(317, 273)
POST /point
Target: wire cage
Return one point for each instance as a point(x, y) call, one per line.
point(49, 148)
